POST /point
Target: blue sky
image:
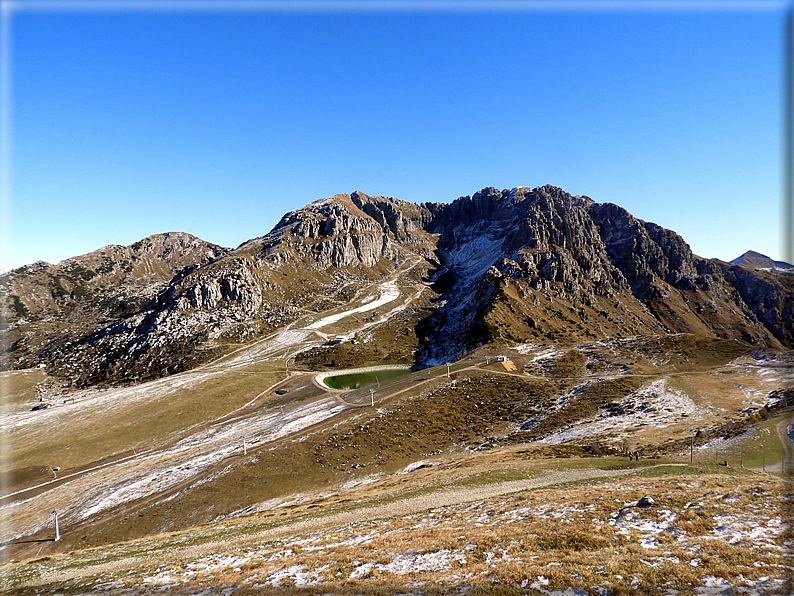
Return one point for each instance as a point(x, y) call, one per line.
point(129, 123)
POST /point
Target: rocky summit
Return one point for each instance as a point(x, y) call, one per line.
point(504, 266)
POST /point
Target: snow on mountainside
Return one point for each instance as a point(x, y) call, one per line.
point(519, 265)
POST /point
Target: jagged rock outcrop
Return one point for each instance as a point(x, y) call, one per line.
point(513, 265)
point(316, 257)
point(341, 237)
point(403, 221)
point(222, 299)
point(542, 264)
point(769, 296)
point(137, 270)
point(645, 253)
point(45, 306)
point(347, 231)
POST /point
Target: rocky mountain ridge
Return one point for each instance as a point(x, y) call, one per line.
point(46, 305)
point(599, 270)
point(513, 265)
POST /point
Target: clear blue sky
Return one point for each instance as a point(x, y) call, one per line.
point(129, 123)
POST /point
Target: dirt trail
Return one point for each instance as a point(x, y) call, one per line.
point(299, 333)
point(401, 507)
point(787, 464)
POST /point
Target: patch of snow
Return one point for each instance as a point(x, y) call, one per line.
point(547, 355)
point(413, 466)
point(212, 446)
point(354, 482)
point(363, 571)
point(356, 540)
point(413, 562)
point(280, 555)
point(275, 346)
point(388, 292)
point(541, 581)
point(473, 256)
point(649, 542)
point(158, 471)
point(649, 529)
point(659, 561)
point(216, 562)
point(655, 405)
point(715, 585)
point(526, 349)
point(749, 530)
point(300, 578)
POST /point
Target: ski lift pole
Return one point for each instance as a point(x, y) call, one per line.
point(57, 528)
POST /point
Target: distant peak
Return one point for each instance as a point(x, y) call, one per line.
point(750, 254)
point(756, 260)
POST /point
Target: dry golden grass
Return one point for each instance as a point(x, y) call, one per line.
point(19, 386)
point(554, 538)
point(81, 437)
point(446, 423)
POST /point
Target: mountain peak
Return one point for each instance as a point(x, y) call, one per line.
point(757, 260)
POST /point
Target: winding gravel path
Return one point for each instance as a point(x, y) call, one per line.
point(397, 508)
point(787, 464)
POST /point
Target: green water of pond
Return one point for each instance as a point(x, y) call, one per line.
point(362, 379)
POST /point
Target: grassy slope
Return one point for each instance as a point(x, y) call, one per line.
point(567, 534)
point(408, 430)
point(19, 386)
point(480, 409)
point(761, 445)
point(429, 417)
point(81, 438)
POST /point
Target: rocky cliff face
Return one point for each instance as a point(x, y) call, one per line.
point(535, 264)
point(769, 295)
point(136, 271)
point(347, 231)
point(512, 265)
point(45, 306)
point(315, 258)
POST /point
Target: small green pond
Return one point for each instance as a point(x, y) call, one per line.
point(362, 379)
